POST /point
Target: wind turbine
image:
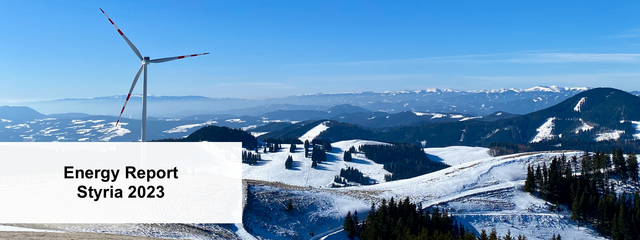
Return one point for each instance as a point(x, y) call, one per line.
point(145, 62)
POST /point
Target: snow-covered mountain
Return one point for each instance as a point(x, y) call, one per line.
point(591, 116)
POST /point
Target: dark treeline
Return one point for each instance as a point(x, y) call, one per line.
point(282, 140)
point(273, 147)
point(250, 158)
point(402, 160)
point(587, 187)
point(218, 134)
point(500, 148)
point(324, 143)
point(352, 175)
point(405, 220)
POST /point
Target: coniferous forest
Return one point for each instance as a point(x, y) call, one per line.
point(405, 220)
point(352, 175)
point(401, 160)
point(318, 155)
point(250, 158)
point(218, 134)
point(587, 187)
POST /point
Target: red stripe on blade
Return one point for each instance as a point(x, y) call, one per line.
point(128, 97)
point(120, 32)
point(122, 110)
point(193, 55)
point(181, 57)
point(101, 10)
point(111, 21)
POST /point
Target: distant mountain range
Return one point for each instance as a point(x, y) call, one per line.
point(593, 115)
point(483, 102)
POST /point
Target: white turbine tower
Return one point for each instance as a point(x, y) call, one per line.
point(145, 62)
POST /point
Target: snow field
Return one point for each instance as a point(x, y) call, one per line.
point(579, 105)
point(613, 135)
point(457, 154)
point(314, 132)
point(545, 131)
point(272, 169)
point(486, 194)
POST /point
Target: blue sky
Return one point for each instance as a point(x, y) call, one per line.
point(261, 49)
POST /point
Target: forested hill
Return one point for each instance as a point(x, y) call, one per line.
point(596, 115)
point(218, 134)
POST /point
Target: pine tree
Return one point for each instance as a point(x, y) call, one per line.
point(493, 235)
point(290, 205)
point(288, 164)
point(633, 167)
point(529, 183)
point(483, 235)
point(347, 156)
point(508, 236)
point(292, 149)
point(539, 179)
point(348, 225)
point(576, 208)
point(356, 222)
point(352, 149)
point(326, 146)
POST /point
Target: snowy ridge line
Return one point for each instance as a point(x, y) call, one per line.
point(551, 88)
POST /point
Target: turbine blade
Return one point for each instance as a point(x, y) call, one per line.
point(135, 50)
point(133, 85)
point(159, 60)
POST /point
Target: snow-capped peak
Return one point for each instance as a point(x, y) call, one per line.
point(543, 89)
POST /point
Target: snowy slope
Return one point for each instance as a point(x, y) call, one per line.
point(486, 194)
point(314, 132)
point(545, 132)
point(457, 154)
point(272, 169)
point(483, 193)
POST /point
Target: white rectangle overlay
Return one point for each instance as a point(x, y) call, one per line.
point(160, 182)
